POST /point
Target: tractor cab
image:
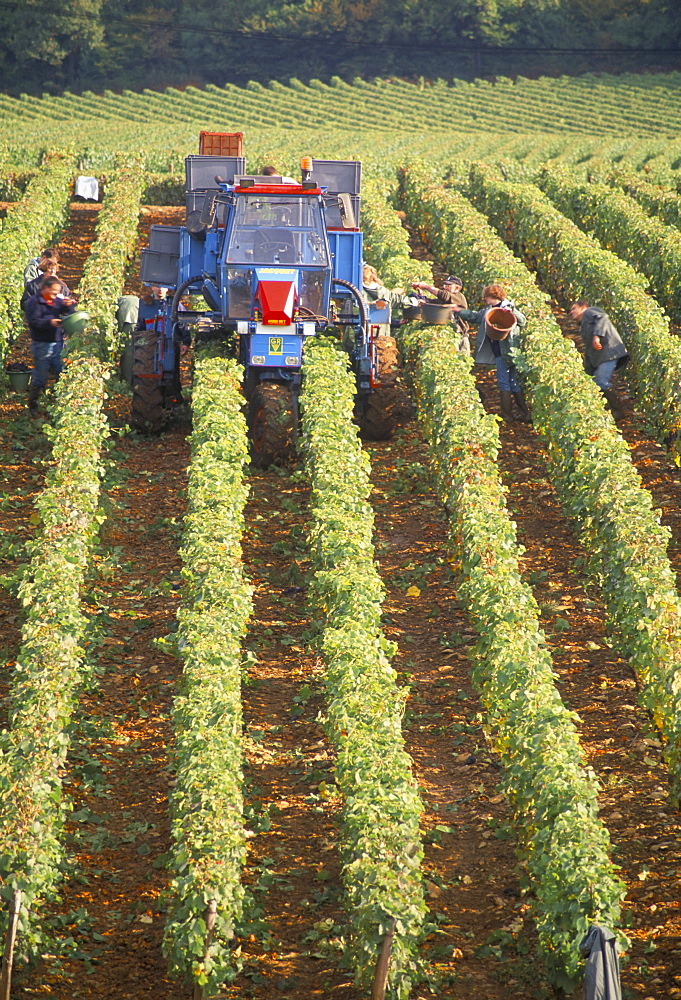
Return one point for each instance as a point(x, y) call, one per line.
point(281, 228)
point(276, 240)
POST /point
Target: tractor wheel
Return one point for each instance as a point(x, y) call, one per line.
point(148, 412)
point(379, 411)
point(271, 424)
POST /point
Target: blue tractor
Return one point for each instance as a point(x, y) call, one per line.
point(270, 262)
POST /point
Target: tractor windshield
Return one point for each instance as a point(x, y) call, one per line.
point(286, 229)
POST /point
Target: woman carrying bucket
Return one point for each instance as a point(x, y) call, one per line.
point(498, 325)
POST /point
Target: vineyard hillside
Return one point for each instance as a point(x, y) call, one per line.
point(388, 718)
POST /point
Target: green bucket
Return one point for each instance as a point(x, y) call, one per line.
point(19, 380)
point(75, 322)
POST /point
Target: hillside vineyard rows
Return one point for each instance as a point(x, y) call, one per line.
point(411, 705)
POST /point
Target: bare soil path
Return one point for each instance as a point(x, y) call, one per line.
point(293, 868)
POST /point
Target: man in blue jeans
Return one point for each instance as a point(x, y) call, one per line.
point(44, 312)
point(604, 350)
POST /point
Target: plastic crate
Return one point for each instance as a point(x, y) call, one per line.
point(339, 176)
point(221, 143)
point(165, 239)
point(201, 171)
point(158, 268)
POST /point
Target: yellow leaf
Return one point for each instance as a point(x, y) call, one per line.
point(413, 592)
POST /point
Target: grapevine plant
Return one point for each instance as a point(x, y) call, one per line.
point(104, 273)
point(663, 203)
point(209, 839)
point(386, 242)
point(36, 220)
point(554, 797)
point(380, 839)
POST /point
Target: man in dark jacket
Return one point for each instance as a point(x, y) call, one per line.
point(44, 312)
point(604, 350)
point(450, 294)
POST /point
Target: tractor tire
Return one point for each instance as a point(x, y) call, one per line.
point(379, 411)
point(149, 415)
point(271, 425)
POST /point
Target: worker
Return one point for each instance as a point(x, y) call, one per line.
point(47, 268)
point(127, 313)
point(153, 305)
point(493, 350)
point(270, 171)
point(33, 269)
point(451, 294)
point(374, 289)
point(44, 312)
point(604, 350)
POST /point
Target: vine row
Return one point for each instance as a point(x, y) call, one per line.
point(209, 839)
point(36, 220)
point(50, 668)
point(104, 273)
point(620, 224)
point(380, 839)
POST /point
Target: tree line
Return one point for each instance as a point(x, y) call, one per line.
point(98, 44)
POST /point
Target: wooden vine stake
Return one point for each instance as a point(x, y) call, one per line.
point(383, 963)
point(209, 916)
point(10, 938)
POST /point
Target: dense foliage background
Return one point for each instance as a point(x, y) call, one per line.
point(136, 43)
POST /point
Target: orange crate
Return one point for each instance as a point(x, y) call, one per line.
point(220, 143)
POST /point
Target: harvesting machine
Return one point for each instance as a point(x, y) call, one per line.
point(267, 263)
